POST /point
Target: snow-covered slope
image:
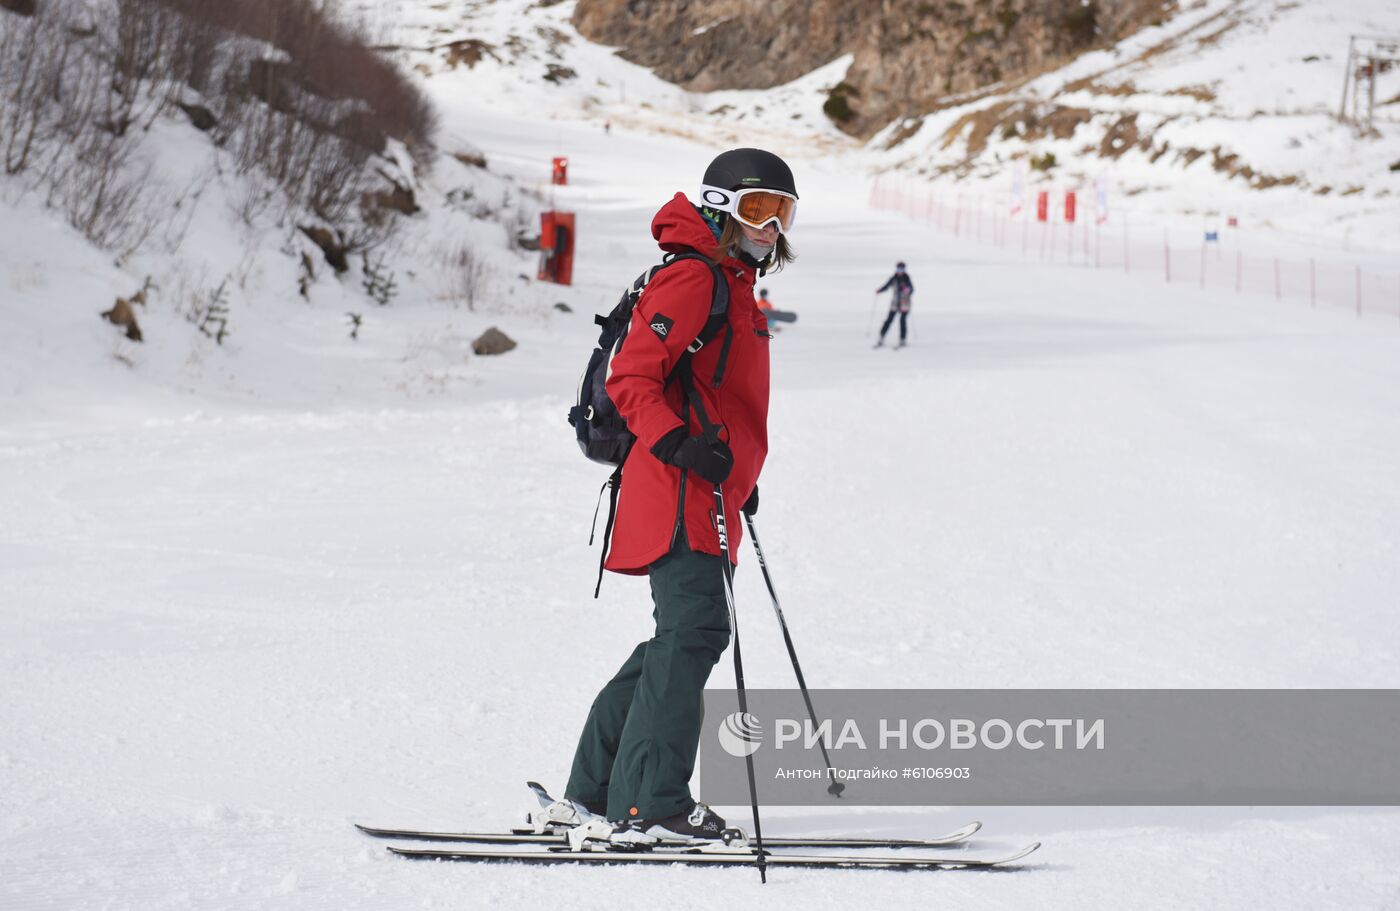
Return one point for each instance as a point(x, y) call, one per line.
point(294, 333)
point(520, 56)
point(339, 581)
point(227, 634)
point(1228, 108)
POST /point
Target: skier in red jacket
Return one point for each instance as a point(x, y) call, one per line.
point(637, 751)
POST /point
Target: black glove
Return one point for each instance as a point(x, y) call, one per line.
point(711, 461)
point(750, 507)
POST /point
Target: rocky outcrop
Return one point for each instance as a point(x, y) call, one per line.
point(398, 198)
point(331, 244)
point(201, 118)
point(909, 57)
point(123, 314)
point(493, 341)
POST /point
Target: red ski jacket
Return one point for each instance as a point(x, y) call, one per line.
point(658, 502)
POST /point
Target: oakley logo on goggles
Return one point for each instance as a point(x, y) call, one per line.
point(755, 208)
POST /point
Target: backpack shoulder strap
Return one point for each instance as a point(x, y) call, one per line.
point(719, 319)
point(719, 296)
point(613, 485)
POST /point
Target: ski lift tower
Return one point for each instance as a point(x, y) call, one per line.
point(1368, 56)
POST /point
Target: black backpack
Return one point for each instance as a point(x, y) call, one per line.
point(601, 431)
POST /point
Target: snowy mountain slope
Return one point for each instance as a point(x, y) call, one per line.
point(1228, 108)
point(221, 239)
point(53, 283)
point(252, 595)
point(517, 55)
point(227, 634)
point(56, 284)
point(419, 346)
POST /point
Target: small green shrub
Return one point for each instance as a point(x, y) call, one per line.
point(838, 105)
point(378, 281)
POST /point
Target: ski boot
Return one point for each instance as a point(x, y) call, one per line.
point(560, 815)
point(698, 826)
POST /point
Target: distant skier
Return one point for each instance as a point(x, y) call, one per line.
point(903, 287)
point(774, 314)
point(637, 751)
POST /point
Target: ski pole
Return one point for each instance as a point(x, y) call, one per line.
point(727, 569)
point(874, 305)
point(836, 787)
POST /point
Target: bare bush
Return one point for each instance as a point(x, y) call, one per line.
point(369, 234)
point(467, 275)
point(330, 58)
point(141, 41)
point(33, 57)
point(79, 80)
point(176, 227)
point(278, 145)
point(105, 195)
point(62, 122)
point(194, 54)
point(336, 179)
point(517, 222)
point(255, 198)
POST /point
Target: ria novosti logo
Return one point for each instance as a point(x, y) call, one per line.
point(740, 734)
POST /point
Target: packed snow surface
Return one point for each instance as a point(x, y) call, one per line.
point(250, 596)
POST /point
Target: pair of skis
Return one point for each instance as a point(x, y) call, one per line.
point(559, 846)
point(548, 841)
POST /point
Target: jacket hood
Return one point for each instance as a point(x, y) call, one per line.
point(679, 226)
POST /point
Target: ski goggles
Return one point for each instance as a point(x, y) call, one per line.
point(755, 207)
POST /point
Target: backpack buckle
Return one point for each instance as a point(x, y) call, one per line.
point(695, 346)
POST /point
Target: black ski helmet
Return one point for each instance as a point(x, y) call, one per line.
point(742, 169)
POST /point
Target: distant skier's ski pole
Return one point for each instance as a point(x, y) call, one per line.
point(874, 305)
point(727, 569)
point(836, 787)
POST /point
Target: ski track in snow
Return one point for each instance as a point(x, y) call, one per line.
point(226, 634)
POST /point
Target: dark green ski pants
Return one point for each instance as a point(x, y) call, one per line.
point(637, 751)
